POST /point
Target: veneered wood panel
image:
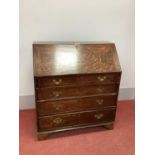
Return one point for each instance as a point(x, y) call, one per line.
point(73, 119)
point(55, 59)
point(62, 106)
point(55, 93)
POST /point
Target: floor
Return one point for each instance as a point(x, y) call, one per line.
point(93, 141)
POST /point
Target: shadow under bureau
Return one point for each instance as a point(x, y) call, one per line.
point(76, 85)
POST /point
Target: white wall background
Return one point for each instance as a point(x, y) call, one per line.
point(76, 20)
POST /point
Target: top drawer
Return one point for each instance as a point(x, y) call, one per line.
point(77, 80)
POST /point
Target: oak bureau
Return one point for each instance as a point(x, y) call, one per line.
point(76, 85)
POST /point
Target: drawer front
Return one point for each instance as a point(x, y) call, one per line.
point(55, 93)
point(57, 106)
point(75, 119)
point(74, 80)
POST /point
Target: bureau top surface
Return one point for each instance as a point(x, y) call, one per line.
point(52, 59)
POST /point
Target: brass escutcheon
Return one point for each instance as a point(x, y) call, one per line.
point(56, 93)
point(57, 81)
point(57, 107)
point(100, 102)
point(101, 78)
point(98, 116)
point(57, 120)
point(100, 90)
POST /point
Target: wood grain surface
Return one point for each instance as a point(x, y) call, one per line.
point(86, 103)
point(74, 119)
point(54, 59)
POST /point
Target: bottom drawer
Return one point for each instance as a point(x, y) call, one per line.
point(74, 119)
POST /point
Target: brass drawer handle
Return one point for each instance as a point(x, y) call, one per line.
point(57, 107)
point(101, 78)
point(57, 120)
point(100, 90)
point(57, 81)
point(56, 93)
point(100, 102)
point(98, 116)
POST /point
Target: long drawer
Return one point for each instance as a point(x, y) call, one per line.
point(73, 80)
point(74, 119)
point(54, 93)
point(86, 103)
